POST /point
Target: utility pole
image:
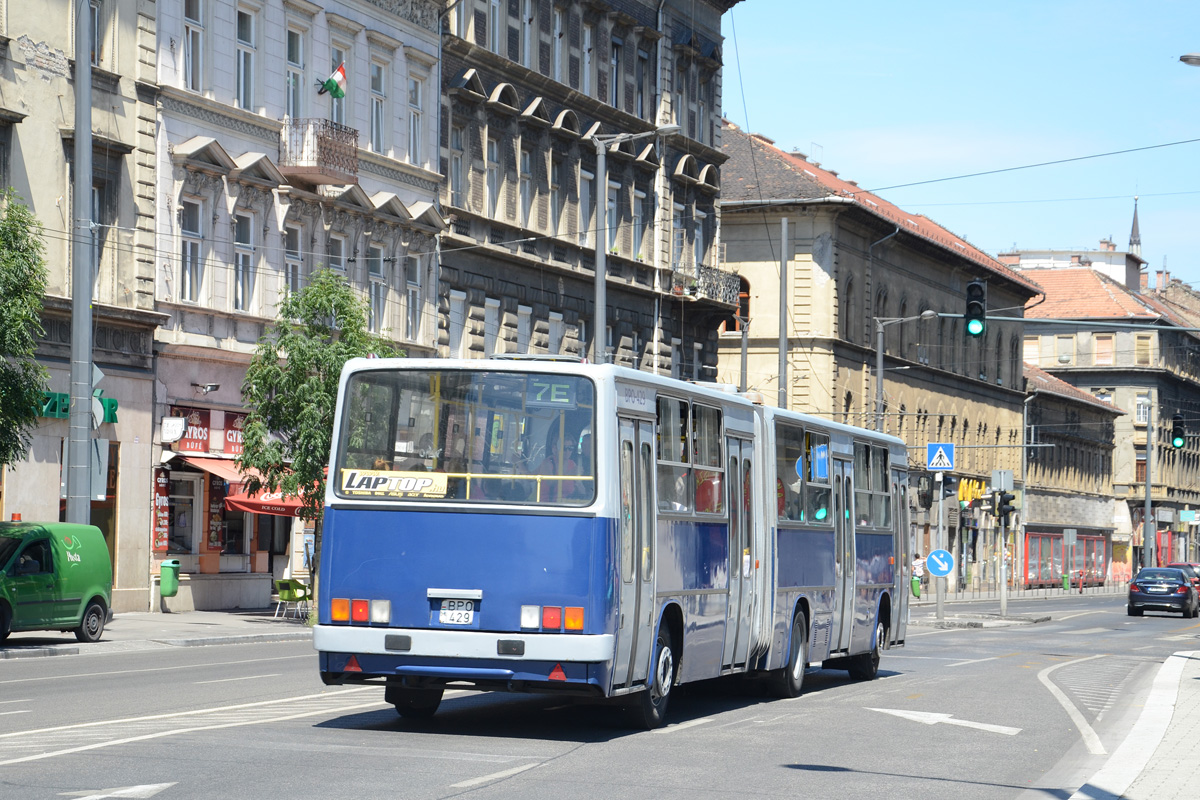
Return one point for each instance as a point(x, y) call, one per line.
point(1149, 529)
point(940, 582)
point(783, 306)
point(79, 463)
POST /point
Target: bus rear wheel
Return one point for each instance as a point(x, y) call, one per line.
point(789, 681)
point(649, 709)
point(865, 667)
point(413, 703)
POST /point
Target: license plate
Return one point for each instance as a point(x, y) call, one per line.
point(1158, 589)
point(456, 612)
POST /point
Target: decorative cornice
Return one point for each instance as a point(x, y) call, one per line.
point(422, 13)
point(398, 175)
point(207, 112)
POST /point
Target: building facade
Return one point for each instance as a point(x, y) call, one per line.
point(1068, 486)
point(1125, 347)
point(528, 86)
point(851, 261)
point(37, 137)
point(260, 179)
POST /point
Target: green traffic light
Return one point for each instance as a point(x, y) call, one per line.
point(975, 327)
point(1177, 441)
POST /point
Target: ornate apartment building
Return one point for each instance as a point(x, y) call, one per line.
point(851, 261)
point(37, 152)
point(529, 88)
point(1126, 347)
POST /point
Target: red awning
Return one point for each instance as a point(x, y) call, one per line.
point(276, 503)
point(224, 468)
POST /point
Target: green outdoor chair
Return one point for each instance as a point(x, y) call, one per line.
point(293, 597)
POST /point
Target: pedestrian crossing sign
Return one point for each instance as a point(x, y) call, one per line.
point(939, 456)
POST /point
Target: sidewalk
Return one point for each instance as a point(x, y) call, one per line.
point(141, 631)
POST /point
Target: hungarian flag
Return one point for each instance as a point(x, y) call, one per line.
point(335, 84)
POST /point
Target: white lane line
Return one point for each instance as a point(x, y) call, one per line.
point(1094, 745)
point(1131, 757)
point(22, 711)
point(194, 729)
point(243, 678)
point(684, 725)
point(24, 700)
point(1087, 631)
point(495, 776)
point(972, 661)
point(204, 666)
point(1065, 617)
point(197, 712)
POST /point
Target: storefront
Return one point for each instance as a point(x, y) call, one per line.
point(228, 552)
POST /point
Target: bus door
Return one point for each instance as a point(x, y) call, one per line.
point(741, 552)
point(635, 629)
point(901, 571)
point(843, 556)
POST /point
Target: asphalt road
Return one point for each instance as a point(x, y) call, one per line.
point(1021, 711)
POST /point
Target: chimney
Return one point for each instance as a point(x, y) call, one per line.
point(1075, 259)
point(1163, 278)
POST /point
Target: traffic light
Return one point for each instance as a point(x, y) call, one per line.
point(1004, 506)
point(949, 486)
point(925, 491)
point(976, 314)
point(1178, 434)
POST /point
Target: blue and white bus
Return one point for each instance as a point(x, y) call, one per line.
point(549, 526)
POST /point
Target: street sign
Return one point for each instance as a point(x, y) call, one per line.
point(1069, 535)
point(939, 456)
point(1002, 480)
point(1187, 515)
point(940, 563)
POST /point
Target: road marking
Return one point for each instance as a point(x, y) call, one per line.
point(1133, 754)
point(933, 718)
point(1065, 617)
point(243, 678)
point(22, 711)
point(25, 700)
point(1094, 746)
point(155, 669)
point(143, 791)
point(34, 745)
point(683, 725)
point(1087, 631)
point(495, 776)
point(972, 661)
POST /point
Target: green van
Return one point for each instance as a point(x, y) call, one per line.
point(54, 576)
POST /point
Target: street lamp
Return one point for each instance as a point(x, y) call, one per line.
point(602, 143)
point(880, 323)
point(1191, 59)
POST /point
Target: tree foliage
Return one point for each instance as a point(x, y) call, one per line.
point(291, 389)
point(22, 285)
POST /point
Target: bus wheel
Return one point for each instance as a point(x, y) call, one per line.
point(91, 627)
point(413, 703)
point(866, 666)
point(649, 709)
point(789, 681)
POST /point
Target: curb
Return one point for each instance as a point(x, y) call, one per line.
point(251, 638)
point(38, 652)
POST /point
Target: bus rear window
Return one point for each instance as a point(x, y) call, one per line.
point(476, 437)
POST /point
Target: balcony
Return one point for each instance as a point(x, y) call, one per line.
point(711, 283)
point(318, 151)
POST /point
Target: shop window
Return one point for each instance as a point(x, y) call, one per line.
point(185, 506)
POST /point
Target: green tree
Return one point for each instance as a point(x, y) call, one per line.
point(291, 390)
point(22, 285)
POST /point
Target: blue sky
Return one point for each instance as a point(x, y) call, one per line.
point(894, 93)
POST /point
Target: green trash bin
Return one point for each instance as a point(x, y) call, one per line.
point(168, 582)
point(916, 586)
point(1066, 581)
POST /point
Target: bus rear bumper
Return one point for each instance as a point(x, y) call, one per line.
point(531, 662)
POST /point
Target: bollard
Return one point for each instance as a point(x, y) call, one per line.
point(1081, 581)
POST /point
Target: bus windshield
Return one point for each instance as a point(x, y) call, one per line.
point(473, 437)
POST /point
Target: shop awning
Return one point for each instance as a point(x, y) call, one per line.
point(224, 468)
point(276, 503)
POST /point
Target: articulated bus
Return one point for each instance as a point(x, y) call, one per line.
point(559, 527)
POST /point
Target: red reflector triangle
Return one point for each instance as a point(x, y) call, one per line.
point(352, 665)
point(557, 673)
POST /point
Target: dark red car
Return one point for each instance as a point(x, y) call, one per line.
point(1191, 569)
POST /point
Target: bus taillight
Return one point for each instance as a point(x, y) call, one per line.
point(339, 609)
point(359, 611)
point(574, 618)
point(552, 617)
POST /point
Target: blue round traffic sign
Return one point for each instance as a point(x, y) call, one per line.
point(940, 563)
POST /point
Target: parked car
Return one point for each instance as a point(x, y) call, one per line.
point(1191, 569)
point(1163, 588)
point(54, 576)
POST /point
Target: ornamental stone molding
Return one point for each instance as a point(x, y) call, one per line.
point(422, 13)
point(209, 116)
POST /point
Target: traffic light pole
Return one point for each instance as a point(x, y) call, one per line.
point(1003, 575)
point(939, 583)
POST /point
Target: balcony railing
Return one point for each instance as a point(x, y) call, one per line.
point(319, 151)
point(712, 283)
